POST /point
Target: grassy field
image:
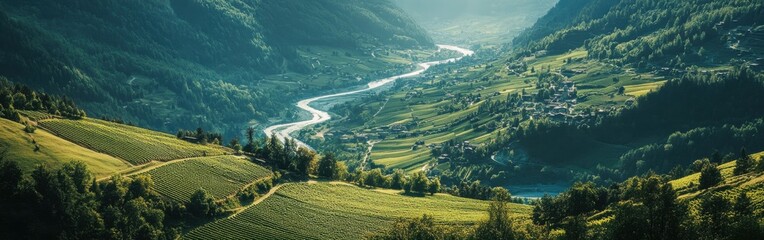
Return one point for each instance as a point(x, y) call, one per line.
point(638, 90)
point(687, 190)
point(220, 176)
point(53, 151)
point(750, 183)
point(339, 211)
point(133, 144)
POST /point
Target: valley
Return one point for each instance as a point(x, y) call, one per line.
point(343, 119)
point(283, 131)
point(459, 108)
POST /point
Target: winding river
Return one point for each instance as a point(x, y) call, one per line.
point(283, 131)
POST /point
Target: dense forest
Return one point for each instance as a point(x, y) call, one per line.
point(183, 64)
point(645, 34)
point(69, 203)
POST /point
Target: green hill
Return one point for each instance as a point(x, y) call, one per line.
point(52, 151)
point(221, 176)
point(729, 208)
point(183, 64)
point(290, 210)
point(750, 183)
point(133, 144)
point(340, 211)
point(107, 148)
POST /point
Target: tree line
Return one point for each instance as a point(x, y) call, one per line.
point(416, 183)
point(14, 97)
point(289, 157)
point(201, 136)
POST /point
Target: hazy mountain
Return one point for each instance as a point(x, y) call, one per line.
point(476, 21)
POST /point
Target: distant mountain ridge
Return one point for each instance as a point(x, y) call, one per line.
point(94, 50)
point(483, 22)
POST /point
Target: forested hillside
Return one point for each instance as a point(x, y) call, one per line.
point(649, 33)
point(711, 107)
point(564, 14)
point(182, 64)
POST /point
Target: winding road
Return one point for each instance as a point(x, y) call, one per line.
point(283, 131)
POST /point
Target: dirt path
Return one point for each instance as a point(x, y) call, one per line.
point(380, 108)
point(276, 188)
point(424, 168)
point(368, 153)
point(257, 201)
point(135, 170)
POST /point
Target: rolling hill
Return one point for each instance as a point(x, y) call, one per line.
point(174, 174)
point(221, 176)
point(339, 211)
point(51, 151)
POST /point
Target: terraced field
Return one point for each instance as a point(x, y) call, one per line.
point(135, 145)
point(753, 185)
point(36, 116)
point(397, 153)
point(638, 90)
point(339, 211)
point(52, 150)
point(598, 84)
point(220, 176)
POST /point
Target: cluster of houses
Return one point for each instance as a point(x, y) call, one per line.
point(558, 107)
point(464, 147)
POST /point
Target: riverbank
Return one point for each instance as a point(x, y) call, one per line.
point(284, 131)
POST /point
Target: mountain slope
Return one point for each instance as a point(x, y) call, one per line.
point(675, 34)
point(172, 64)
point(564, 14)
point(44, 148)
